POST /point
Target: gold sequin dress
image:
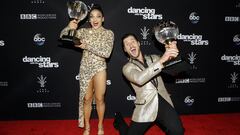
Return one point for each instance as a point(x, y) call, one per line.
point(99, 47)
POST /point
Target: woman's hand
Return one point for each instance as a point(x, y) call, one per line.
point(73, 24)
point(82, 45)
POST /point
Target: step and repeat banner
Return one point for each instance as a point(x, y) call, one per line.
point(39, 78)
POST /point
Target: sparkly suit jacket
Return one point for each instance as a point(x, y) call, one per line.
point(147, 84)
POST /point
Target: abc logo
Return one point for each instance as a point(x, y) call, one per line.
point(236, 39)
point(38, 39)
point(194, 18)
point(188, 100)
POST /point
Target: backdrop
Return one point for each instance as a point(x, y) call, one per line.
point(39, 79)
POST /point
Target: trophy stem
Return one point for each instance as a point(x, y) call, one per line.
point(167, 41)
point(72, 32)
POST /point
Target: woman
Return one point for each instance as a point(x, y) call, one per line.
point(97, 45)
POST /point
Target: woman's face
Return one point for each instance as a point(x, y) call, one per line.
point(96, 19)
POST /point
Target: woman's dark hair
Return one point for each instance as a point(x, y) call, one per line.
point(96, 7)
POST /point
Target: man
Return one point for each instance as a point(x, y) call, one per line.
point(153, 103)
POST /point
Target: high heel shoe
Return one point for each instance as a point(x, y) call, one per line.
point(86, 131)
point(100, 131)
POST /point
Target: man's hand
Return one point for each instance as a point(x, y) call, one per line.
point(172, 44)
point(170, 53)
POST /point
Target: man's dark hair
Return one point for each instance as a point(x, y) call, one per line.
point(129, 34)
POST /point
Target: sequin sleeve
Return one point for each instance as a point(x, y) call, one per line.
point(103, 46)
point(80, 33)
point(64, 31)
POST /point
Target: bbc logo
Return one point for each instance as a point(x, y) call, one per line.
point(232, 19)
point(28, 16)
point(35, 105)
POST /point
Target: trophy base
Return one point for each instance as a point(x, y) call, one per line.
point(176, 66)
point(172, 62)
point(69, 40)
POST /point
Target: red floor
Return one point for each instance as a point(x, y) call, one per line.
point(211, 124)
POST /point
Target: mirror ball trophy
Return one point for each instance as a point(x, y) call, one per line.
point(165, 32)
point(76, 10)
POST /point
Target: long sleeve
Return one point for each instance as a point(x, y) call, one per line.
point(64, 31)
point(78, 34)
point(103, 46)
point(136, 76)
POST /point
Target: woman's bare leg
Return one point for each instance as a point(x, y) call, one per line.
point(100, 88)
point(88, 106)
